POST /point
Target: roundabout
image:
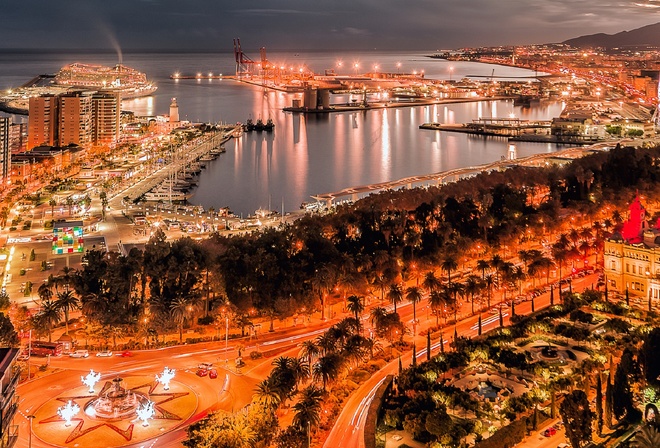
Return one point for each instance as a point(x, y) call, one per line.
point(111, 416)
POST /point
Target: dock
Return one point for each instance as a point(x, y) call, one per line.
point(352, 193)
point(189, 153)
point(502, 127)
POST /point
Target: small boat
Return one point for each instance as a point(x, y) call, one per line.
point(249, 125)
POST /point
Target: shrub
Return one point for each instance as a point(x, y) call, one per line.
point(256, 355)
point(205, 320)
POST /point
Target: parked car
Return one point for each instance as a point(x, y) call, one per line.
point(125, 354)
point(205, 365)
point(202, 372)
point(213, 374)
point(23, 356)
point(104, 354)
point(551, 431)
point(79, 354)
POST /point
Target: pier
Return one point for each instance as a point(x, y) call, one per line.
point(189, 154)
point(502, 127)
point(353, 193)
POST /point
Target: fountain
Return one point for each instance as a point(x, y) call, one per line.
point(165, 378)
point(68, 411)
point(145, 412)
point(90, 380)
point(115, 403)
point(549, 352)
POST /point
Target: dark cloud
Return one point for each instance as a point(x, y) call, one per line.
point(312, 25)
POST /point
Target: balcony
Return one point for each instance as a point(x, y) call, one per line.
point(11, 438)
point(12, 382)
point(8, 417)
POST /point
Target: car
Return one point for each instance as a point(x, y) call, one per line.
point(104, 354)
point(205, 365)
point(551, 431)
point(24, 356)
point(202, 372)
point(213, 374)
point(563, 445)
point(397, 437)
point(79, 354)
point(125, 354)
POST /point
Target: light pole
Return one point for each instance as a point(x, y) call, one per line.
point(226, 337)
point(30, 417)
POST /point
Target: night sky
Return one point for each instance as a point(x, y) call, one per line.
point(311, 24)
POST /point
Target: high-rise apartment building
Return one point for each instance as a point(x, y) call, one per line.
point(107, 117)
point(43, 121)
point(75, 118)
point(9, 376)
point(81, 117)
point(5, 151)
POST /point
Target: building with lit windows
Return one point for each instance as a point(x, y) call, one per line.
point(5, 149)
point(632, 256)
point(80, 117)
point(9, 376)
point(43, 121)
point(107, 118)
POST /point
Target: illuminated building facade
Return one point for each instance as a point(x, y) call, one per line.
point(5, 151)
point(632, 257)
point(80, 117)
point(9, 376)
point(68, 237)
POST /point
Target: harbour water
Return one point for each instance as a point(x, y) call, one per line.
point(307, 155)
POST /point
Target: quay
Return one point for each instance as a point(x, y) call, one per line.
point(537, 131)
point(352, 193)
point(188, 153)
point(502, 127)
point(408, 102)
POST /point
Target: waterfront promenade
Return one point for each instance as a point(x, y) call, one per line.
point(353, 193)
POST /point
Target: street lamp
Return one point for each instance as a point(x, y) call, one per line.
point(451, 70)
point(30, 417)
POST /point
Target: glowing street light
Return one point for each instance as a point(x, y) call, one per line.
point(145, 411)
point(68, 411)
point(398, 67)
point(356, 66)
point(451, 70)
point(165, 377)
point(90, 380)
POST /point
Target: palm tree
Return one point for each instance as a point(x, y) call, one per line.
point(179, 310)
point(268, 394)
point(378, 315)
point(449, 264)
point(414, 295)
point(438, 300)
point(327, 368)
point(308, 409)
point(52, 202)
point(489, 282)
point(355, 305)
point(431, 282)
point(309, 350)
point(44, 292)
point(51, 313)
point(473, 285)
point(299, 369)
point(395, 294)
point(647, 437)
point(66, 302)
point(322, 281)
point(483, 266)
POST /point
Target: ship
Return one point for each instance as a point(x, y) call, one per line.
point(130, 83)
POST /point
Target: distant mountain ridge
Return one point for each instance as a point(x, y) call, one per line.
point(648, 35)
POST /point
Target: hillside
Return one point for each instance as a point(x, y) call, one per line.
point(645, 36)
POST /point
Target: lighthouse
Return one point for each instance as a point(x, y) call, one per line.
point(174, 111)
